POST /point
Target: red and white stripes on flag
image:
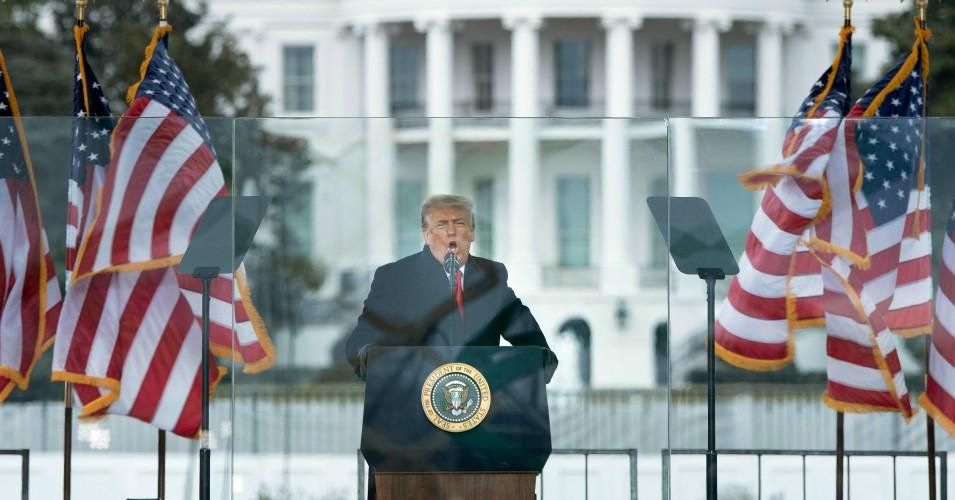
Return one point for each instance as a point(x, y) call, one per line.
point(863, 369)
point(129, 339)
point(29, 291)
point(778, 289)
point(939, 396)
point(910, 313)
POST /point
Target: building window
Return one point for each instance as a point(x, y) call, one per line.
point(408, 216)
point(572, 64)
point(741, 78)
point(404, 78)
point(484, 212)
point(733, 207)
point(659, 254)
point(860, 68)
point(296, 206)
point(573, 221)
point(482, 64)
point(298, 78)
point(662, 73)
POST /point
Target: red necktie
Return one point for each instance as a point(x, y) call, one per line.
point(459, 293)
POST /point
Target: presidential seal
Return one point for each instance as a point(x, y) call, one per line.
point(455, 397)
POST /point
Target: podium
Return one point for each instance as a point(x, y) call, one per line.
point(493, 447)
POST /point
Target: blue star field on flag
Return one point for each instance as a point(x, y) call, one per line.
point(164, 83)
point(12, 163)
point(94, 122)
point(889, 144)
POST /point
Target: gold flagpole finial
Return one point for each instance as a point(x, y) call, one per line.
point(80, 12)
point(922, 5)
point(163, 11)
point(847, 5)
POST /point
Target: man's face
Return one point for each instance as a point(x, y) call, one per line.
point(444, 225)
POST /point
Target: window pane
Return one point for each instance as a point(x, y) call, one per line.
point(662, 62)
point(741, 77)
point(573, 221)
point(484, 212)
point(297, 216)
point(659, 256)
point(572, 72)
point(404, 78)
point(482, 57)
point(408, 216)
point(732, 212)
point(298, 79)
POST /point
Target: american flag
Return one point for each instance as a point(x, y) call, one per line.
point(881, 202)
point(130, 337)
point(29, 292)
point(778, 289)
point(939, 396)
point(92, 127)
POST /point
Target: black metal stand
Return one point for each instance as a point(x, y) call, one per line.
point(206, 275)
point(710, 276)
point(223, 236)
point(698, 247)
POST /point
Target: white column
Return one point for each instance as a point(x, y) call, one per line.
point(769, 69)
point(440, 49)
point(683, 169)
point(618, 273)
point(706, 64)
point(523, 158)
point(684, 181)
point(379, 146)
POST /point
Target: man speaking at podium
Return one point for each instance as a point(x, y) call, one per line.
point(443, 295)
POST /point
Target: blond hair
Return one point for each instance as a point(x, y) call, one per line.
point(438, 201)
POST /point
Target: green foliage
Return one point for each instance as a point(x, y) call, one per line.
point(222, 78)
point(899, 30)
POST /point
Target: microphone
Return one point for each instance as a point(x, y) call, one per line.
point(451, 264)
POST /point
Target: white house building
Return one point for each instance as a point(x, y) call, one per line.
point(517, 90)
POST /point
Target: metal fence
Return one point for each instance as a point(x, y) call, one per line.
point(327, 419)
point(665, 457)
point(24, 471)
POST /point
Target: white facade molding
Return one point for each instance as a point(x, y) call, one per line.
point(706, 21)
point(428, 22)
point(776, 24)
point(515, 20)
point(630, 19)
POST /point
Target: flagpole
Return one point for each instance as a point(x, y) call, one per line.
point(67, 437)
point(161, 486)
point(929, 421)
point(840, 416)
point(840, 452)
point(930, 436)
point(161, 452)
point(68, 386)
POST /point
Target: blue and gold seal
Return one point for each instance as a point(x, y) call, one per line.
point(455, 397)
